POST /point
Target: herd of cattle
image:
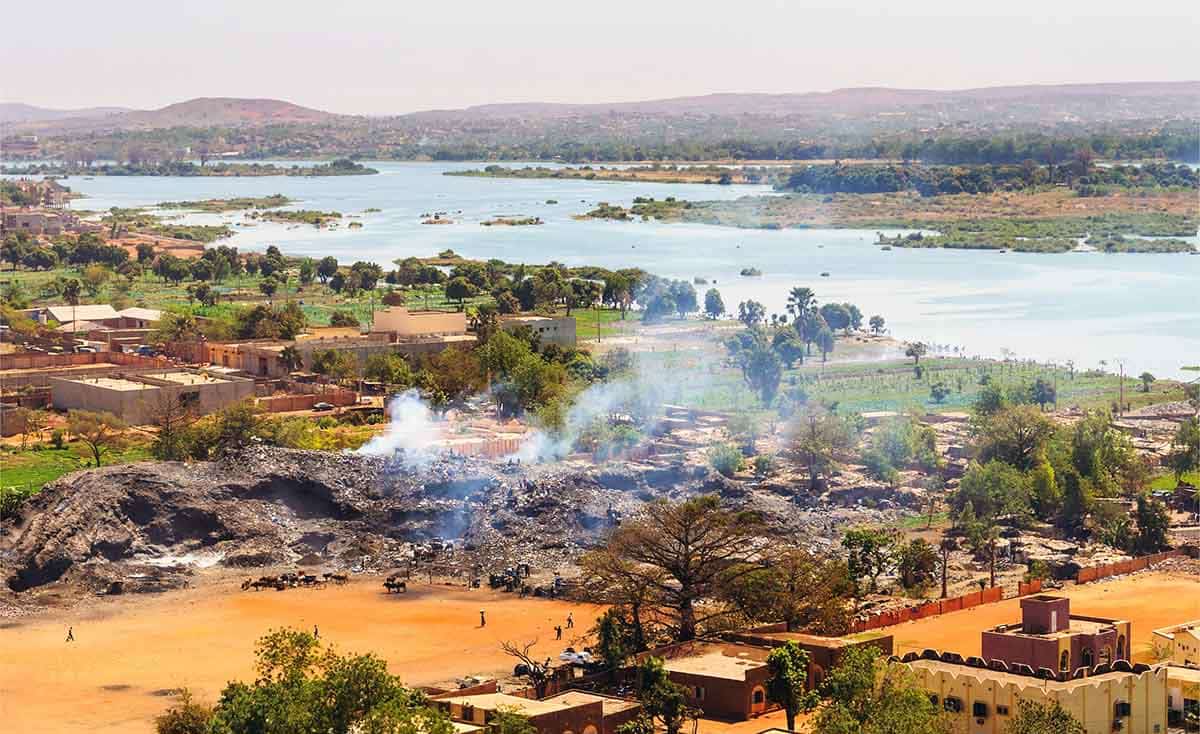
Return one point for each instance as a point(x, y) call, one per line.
point(285, 581)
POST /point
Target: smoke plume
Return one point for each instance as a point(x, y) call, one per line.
point(413, 430)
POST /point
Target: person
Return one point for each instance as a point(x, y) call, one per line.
point(558, 632)
point(316, 632)
point(482, 619)
point(570, 620)
point(70, 634)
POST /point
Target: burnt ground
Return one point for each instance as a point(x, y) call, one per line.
point(163, 525)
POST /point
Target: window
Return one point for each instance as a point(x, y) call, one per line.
point(699, 693)
point(758, 695)
point(1001, 710)
point(1123, 708)
point(952, 704)
point(933, 699)
point(979, 710)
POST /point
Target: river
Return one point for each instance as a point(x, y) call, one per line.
point(1143, 310)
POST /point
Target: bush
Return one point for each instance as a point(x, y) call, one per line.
point(57, 439)
point(763, 464)
point(726, 459)
point(879, 467)
point(188, 717)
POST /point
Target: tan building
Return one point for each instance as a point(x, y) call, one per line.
point(138, 397)
point(983, 699)
point(1183, 694)
point(405, 324)
point(1182, 643)
point(558, 330)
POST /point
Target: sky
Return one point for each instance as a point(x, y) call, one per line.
point(397, 56)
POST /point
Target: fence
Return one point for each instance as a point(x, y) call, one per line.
point(1095, 573)
point(285, 403)
point(37, 360)
point(929, 609)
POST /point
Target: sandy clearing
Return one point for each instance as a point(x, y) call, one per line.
point(1147, 600)
point(128, 649)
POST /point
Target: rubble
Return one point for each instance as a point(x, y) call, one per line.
point(155, 526)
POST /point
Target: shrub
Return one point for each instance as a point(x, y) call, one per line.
point(763, 464)
point(726, 459)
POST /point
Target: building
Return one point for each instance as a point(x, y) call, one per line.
point(404, 324)
point(824, 653)
point(1049, 636)
point(983, 697)
point(1183, 694)
point(1182, 643)
point(573, 712)
point(136, 397)
point(558, 330)
point(724, 680)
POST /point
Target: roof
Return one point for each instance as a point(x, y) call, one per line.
point(188, 378)
point(93, 312)
point(113, 383)
point(1192, 627)
point(493, 701)
point(1020, 681)
point(1183, 674)
point(80, 325)
point(141, 314)
point(712, 660)
point(611, 704)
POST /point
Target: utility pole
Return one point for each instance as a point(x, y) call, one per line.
point(1121, 390)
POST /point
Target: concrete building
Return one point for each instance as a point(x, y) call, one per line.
point(724, 680)
point(558, 330)
point(1049, 636)
point(1182, 643)
point(573, 712)
point(983, 699)
point(1183, 694)
point(405, 324)
point(137, 396)
point(824, 653)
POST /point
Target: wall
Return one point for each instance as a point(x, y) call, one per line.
point(38, 360)
point(1092, 700)
point(285, 403)
point(1095, 573)
point(559, 330)
point(930, 609)
point(138, 406)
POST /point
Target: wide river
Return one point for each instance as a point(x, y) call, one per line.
point(1143, 310)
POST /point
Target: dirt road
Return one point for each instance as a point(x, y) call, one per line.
point(129, 653)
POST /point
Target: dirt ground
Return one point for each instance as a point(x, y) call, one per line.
point(129, 653)
point(1147, 600)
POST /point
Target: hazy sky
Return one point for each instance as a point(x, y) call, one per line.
point(399, 55)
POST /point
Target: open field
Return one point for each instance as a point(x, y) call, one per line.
point(1148, 600)
point(129, 651)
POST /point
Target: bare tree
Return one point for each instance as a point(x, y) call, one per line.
point(538, 674)
point(172, 415)
point(100, 431)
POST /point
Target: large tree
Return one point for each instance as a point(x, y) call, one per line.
point(687, 554)
point(817, 437)
point(1017, 435)
point(101, 432)
point(870, 696)
point(806, 591)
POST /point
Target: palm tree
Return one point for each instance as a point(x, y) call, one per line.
point(290, 357)
point(71, 290)
point(800, 301)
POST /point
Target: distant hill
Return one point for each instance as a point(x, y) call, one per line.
point(852, 101)
point(200, 112)
point(14, 112)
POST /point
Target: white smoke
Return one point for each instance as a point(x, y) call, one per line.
point(413, 430)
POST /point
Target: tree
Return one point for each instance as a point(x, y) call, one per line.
point(825, 342)
point(726, 459)
point(94, 278)
point(916, 563)
point(334, 364)
point(1017, 436)
point(508, 720)
point(817, 436)
point(762, 370)
point(939, 391)
point(268, 286)
point(460, 289)
point(300, 686)
point(686, 553)
point(836, 316)
point(291, 358)
point(172, 416)
point(308, 271)
point(71, 292)
point(807, 591)
point(101, 431)
point(326, 268)
point(916, 350)
point(507, 303)
point(1033, 717)
point(1043, 392)
point(868, 695)
point(1185, 448)
point(186, 717)
point(1153, 523)
point(714, 306)
point(877, 324)
point(203, 293)
point(870, 552)
point(751, 313)
point(662, 699)
point(801, 301)
point(343, 319)
point(614, 639)
point(536, 672)
point(994, 490)
point(389, 369)
point(788, 684)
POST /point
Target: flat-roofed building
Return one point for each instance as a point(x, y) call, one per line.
point(982, 699)
point(138, 397)
point(824, 653)
point(723, 679)
point(574, 713)
point(405, 324)
point(1183, 694)
point(1182, 642)
point(1049, 636)
point(558, 330)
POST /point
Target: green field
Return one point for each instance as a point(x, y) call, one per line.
point(33, 468)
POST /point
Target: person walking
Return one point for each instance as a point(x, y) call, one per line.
point(482, 619)
point(558, 632)
point(316, 632)
point(570, 620)
point(70, 634)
